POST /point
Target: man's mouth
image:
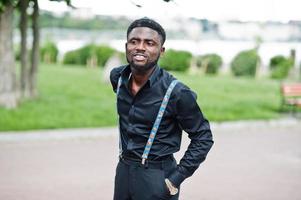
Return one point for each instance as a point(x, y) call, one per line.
point(139, 57)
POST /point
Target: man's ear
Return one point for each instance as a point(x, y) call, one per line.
point(125, 45)
point(162, 50)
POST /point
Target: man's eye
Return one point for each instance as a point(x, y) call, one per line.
point(133, 42)
point(151, 43)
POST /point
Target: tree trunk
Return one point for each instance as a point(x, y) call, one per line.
point(24, 79)
point(35, 50)
point(8, 89)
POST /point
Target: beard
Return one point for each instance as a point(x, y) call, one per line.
point(142, 69)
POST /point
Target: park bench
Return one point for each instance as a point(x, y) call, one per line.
point(291, 95)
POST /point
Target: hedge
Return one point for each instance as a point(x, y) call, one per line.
point(211, 63)
point(89, 55)
point(245, 63)
point(280, 66)
point(174, 60)
point(49, 52)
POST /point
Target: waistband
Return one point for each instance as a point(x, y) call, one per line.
point(152, 164)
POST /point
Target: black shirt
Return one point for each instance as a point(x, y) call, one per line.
point(137, 115)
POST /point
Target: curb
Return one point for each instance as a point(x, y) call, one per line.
point(57, 134)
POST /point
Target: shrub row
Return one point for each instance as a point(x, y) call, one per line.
point(89, 55)
point(244, 63)
point(48, 52)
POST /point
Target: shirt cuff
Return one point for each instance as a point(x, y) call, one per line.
point(176, 178)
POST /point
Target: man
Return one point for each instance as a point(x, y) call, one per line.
point(153, 110)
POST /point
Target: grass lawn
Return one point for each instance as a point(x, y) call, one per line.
point(74, 96)
point(224, 98)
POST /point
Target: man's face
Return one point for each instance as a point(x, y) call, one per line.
point(143, 49)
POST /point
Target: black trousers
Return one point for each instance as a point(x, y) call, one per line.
point(134, 181)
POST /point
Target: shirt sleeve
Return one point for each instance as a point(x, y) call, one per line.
point(192, 121)
point(114, 76)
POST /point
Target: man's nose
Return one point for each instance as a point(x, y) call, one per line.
point(140, 46)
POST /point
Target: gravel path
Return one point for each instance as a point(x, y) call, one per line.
point(256, 160)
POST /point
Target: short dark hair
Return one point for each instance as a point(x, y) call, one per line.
point(150, 23)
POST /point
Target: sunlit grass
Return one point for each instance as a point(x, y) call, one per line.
point(228, 98)
point(69, 97)
point(74, 96)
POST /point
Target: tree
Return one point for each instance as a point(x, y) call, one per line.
point(35, 56)
point(29, 73)
point(9, 92)
point(8, 88)
point(24, 77)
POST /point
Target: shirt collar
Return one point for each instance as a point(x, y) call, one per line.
point(154, 76)
point(127, 73)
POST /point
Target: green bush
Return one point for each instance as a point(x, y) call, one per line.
point(276, 60)
point(80, 56)
point(280, 66)
point(176, 60)
point(72, 57)
point(103, 54)
point(210, 63)
point(49, 52)
point(245, 63)
point(89, 55)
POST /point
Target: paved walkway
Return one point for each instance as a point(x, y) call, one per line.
point(257, 160)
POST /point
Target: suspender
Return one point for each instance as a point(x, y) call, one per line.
point(157, 121)
point(117, 93)
point(118, 85)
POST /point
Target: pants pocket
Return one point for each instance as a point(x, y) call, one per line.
point(150, 184)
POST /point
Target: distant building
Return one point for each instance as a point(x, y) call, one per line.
point(203, 29)
point(82, 13)
point(268, 31)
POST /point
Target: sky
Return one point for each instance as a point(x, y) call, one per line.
point(250, 10)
